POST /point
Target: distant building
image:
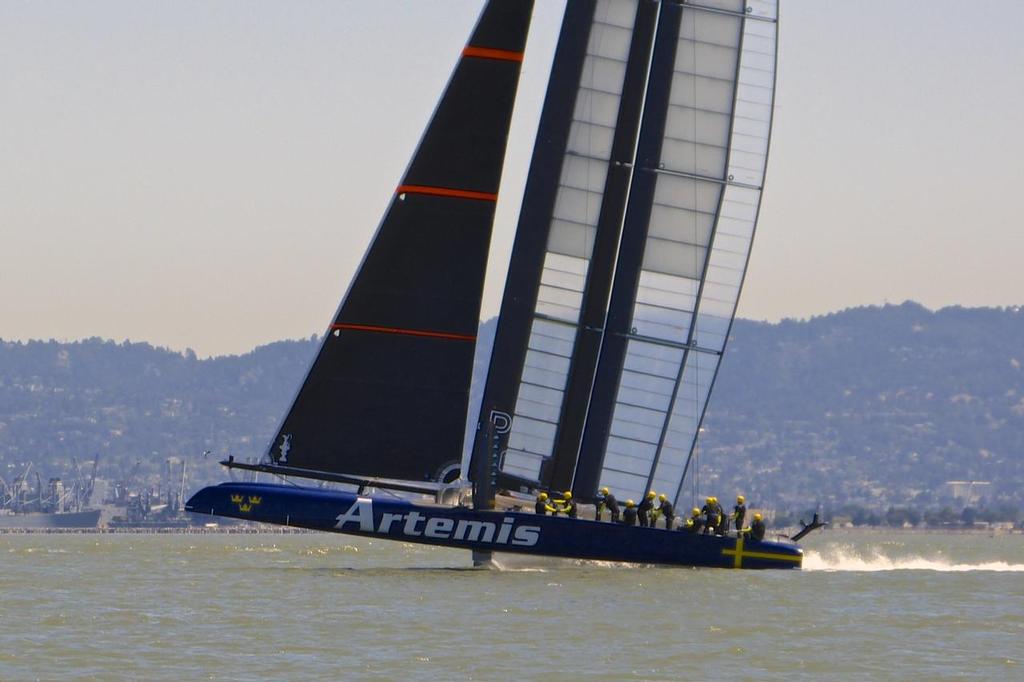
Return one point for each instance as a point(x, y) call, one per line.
point(967, 492)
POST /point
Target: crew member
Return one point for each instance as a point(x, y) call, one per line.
point(723, 521)
point(711, 514)
point(739, 512)
point(646, 507)
point(606, 499)
point(757, 527)
point(629, 513)
point(666, 510)
point(694, 523)
point(567, 505)
point(543, 507)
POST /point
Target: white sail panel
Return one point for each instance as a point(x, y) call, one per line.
point(763, 9)
point(705, 205)
point(571, 240)
point(685, 420)
point(645, 393)
point(754, 96)
point(726, 266)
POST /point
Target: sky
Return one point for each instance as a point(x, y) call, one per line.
point(207, 175)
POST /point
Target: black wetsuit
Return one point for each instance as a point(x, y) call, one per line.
point(629, 516)
point(611, 503)
point(668, 512)
point(541, 507)
point(645, 508)
point(757, 530)
point(692, 525)
point(739, 512)
point(569, 507)
point(723, 523)
point(710, 518)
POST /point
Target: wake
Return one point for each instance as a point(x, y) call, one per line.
point(511, 563)
point(844, 561)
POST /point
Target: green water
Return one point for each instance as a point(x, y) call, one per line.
point(229, 607)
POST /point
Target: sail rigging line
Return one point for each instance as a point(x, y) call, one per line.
point(604, 254)
point(733, 13)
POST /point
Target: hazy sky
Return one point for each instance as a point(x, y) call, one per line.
point(208, 174)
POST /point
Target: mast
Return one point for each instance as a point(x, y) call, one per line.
point(386, 396)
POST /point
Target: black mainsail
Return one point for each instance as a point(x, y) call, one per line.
point(386, 396)
point(624, 284)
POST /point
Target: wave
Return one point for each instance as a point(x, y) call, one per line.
point(524, 563)
point(849, 561)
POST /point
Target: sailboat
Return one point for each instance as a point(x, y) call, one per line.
point(631, 247)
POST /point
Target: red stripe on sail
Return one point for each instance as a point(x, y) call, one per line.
point(492, 53)
point(447, 192)
point(404, 332)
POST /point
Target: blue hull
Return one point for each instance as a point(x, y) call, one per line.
point(484, 531)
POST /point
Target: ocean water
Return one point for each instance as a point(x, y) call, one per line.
point(907, 606)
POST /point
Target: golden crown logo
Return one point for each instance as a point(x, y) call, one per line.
point(245, 505)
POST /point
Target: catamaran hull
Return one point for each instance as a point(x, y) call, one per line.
point(390, 517)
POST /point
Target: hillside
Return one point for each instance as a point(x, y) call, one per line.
point(874, 405)
point(877, 405)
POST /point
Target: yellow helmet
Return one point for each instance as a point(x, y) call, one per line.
point(696, 511)
point(604, 491)
point(709, 500)
point(630, 503)
point(740, 499)
point(567, 495)
point(663, 497)
point(757, 516)
point(542, 496)
point(651, 495)
point(714, 499)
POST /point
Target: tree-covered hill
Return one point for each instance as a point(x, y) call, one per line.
point(878, 405)
point(874, 405)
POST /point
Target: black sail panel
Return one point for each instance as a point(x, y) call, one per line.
point(387, 394)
